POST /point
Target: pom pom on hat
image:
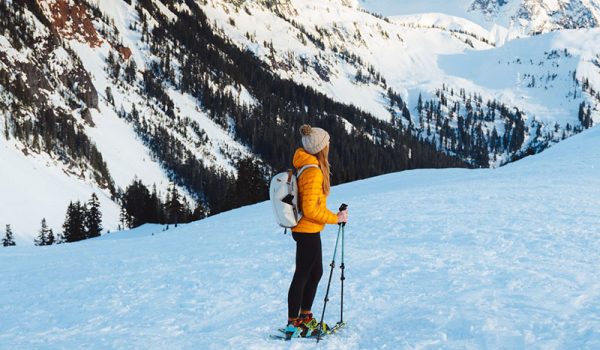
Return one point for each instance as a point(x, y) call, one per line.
point(305, 130)
point(313, 139)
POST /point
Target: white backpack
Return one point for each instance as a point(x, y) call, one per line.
point(283, 193)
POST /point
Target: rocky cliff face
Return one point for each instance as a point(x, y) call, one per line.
point(71, 20)
point(47, 91)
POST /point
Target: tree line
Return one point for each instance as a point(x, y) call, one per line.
point(481, 131)
point(82, 221)
point(139, 205)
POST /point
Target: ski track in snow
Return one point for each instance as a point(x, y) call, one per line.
point(457, 259)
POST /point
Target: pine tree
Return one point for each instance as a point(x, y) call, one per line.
point(124, 218)
point(174, 206)
point(251, 185)
point(581, 114)
point(60, 238)
point(93, 218)
point(69, 233)
point(6, 128)
point(8, 239)
point(200, 212)
point(42, 238)
point(130, 71)
point(138, 206)
point(155, 207)
point(109, 96)
point(74, 225)
point(588, 118)
point(50, 238)
point(110, 59)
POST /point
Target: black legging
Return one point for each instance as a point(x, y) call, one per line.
point(309, 269)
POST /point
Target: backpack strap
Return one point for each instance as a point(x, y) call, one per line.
point(301, 170)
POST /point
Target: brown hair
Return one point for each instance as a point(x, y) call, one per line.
point(322, 157)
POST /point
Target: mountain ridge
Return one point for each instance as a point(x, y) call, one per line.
point(517, 18)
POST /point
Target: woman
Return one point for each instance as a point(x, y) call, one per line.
point(313, 188)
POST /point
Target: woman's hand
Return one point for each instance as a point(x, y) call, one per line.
point(342, 216)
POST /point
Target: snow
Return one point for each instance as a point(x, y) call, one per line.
point(392, 7)
point(447, 22)
point(406, 57)
point(508, 21)
point(126, 156)
point(219, 139)
point(422, 51)
point(507, 71)
point(457, 12)
point(455, 258)
point(123, 15)
point(119, 150)
point(35, 187)
point(164, 10)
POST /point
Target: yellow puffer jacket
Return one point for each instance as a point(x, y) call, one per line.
point(313, 201)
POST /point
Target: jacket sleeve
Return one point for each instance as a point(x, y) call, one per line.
point(311, 189)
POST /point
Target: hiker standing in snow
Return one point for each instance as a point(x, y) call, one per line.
point(313, 189)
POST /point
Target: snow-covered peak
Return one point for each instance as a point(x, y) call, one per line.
point(535, 16)
point(520, 17)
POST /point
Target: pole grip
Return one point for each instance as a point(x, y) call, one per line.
point(343, 207)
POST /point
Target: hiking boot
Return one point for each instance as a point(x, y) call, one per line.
point(310, 324)
point(294, 329)
point(306, 317)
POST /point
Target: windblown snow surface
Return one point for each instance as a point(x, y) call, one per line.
point(459, 259)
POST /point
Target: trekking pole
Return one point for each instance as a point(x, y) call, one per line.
point(342, 278)
point(330, 275)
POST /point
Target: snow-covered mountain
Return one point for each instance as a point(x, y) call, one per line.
point(485, 102)
point(453, 259)
point(105, 93)
point(96, 94)
point(507, 18)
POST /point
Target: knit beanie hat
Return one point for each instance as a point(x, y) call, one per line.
point(313, 139)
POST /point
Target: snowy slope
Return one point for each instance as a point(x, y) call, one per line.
point(21, 204)
point(503, 258)
point(533, 74)
point(44, 184)
point(40, 184)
